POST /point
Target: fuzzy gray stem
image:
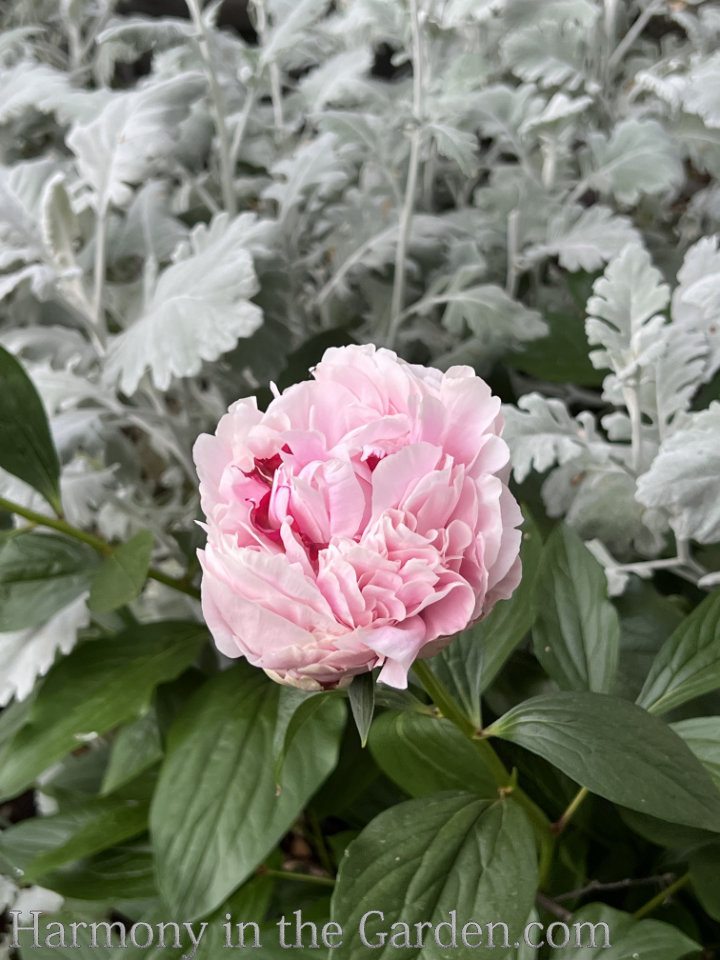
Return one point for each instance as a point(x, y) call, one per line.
point(408, 208)
point(226, 170)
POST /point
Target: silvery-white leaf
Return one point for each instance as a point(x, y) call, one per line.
point(670, 88)
point(146, 33)
point(63, 346)
point(623, 311)
point(81, 428)
point(36, 898)
point(639, 157)
point(83, 490)
point(457, 145)
point(315, 164)
point(523, 12)
point(702, 93)
point(541, 433)
point(551, 53)
point(21, 192)
point(617, 579)
point(503, 112)
point(669, 384)
point(559, 110)
point(29, 86)
point(28, 654)
point(289, 30)
point(62, 388)
point(584, 239)
point(683, 478)
point(37, 275)
point(492, 316)
point(134, 131)
point(696, 300)
point(148, 228)
point(199, 309)
point(699, 142)
point(58, 224)
point(337, 80)
point(456, 12)
point(604, 507)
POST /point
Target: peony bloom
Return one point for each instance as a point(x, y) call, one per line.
point(361, 521)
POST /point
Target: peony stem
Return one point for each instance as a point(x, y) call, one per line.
point(440, 696)
point(572, 809)
point(180, 584)
point(290, 875)
point(659, 899)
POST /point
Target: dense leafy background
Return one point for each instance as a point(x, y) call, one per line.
point(197, 203)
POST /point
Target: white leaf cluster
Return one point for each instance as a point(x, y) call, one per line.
point(651, 467)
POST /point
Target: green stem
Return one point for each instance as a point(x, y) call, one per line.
point(301, 877)
point(659, 899)
point(573, 806)
point(447, 706)
point(543, 833)
point(102, 546)
point(504, 780)
point(318, 839)
point(224, 154)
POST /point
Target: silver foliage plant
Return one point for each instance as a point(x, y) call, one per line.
point(653, 467)
point(168, 239)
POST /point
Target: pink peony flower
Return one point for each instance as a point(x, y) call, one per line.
point(361, 521)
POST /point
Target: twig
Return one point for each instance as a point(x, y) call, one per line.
point(595, 886)
point(547, 903)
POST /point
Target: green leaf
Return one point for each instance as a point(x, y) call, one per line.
point(295, 709)
point(122, 575)
point(124, 872)
point(361, 694)
point(647, 618)
point(471, 662)
point(101, 684)
point(41, 844)
point(702, 735)
point(136, 747)
point(26, 447)
point(216, 812)
point(576, 634)
point(422, 859)
point(41, 574)
point(618, 751)
point(424, 755)
point(688, 664)
point(622, 937)
point(704, 875)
